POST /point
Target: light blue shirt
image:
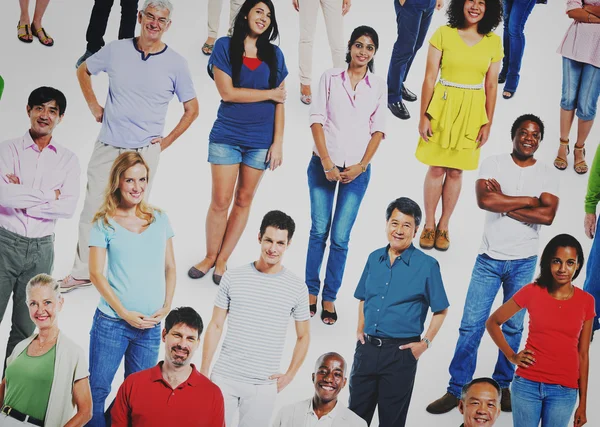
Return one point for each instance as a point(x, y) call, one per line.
point(136, 263)
point(139, 91)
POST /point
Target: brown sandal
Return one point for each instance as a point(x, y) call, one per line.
point(44, 37)
point(24, 37)
point(559, 162)
point(580, 167)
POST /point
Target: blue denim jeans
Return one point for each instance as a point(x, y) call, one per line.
point(110, 339)
point(592, 275)
point(488, 276)
point(516, 13)
point(322, 194)
point(532, 401)
point(580, 88)
point(413, 21)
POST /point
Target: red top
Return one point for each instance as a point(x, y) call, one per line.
point(145, 399)
point(252, 63)
point(554, 330)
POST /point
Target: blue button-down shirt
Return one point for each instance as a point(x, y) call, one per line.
point(397, 296)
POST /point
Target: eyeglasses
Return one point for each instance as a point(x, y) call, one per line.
point(152, 18)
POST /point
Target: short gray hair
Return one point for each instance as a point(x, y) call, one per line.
point(482, 380)
point(159, 4)
point(43, 280)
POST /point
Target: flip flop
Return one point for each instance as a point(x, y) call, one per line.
point(207, 49)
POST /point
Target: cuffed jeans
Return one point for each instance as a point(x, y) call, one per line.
point(488, 276)
point(592, 276)
point(21, 258)
point(533, 401)
point(516, 13)
point(580, 88)
point(413, 19)
point(112, 338)
point(99, 19)
point(322, 194)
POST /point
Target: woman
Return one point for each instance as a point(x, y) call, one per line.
point(457, 112)
point(47, 374)
point(138, 291)
point(247, 136)
point(347, 123)
point(581, 80)
point(27, 30)
point(214, 16)
point(333, 12)
point(516, 13)
point(555, 361)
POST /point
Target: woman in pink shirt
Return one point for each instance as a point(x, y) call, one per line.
point(347, 121)
point(580, 50)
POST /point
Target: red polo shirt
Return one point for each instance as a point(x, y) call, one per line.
point(146, 399)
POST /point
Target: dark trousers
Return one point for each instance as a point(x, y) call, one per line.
point(21, 258)
point(383, 376)
point(99, 19)
point(413, 21)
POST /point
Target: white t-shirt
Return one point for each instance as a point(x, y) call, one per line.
point(505, 238)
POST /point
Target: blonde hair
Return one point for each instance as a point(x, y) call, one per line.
point(43, 280)
point(112, 194)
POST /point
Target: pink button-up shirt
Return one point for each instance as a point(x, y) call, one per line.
point(349, 117)
point(582, 40)
point(31, 208)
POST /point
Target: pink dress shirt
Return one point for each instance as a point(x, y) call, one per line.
point(30, 208)
point(349, 117)
point(582, 40)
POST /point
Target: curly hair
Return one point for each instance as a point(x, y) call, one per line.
point(527, 118)
point(491, 18)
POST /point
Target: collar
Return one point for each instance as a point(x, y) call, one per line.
point(193, 380)
point(343, 72)
point(405, 256)
point(134, 40)
point(331, 414)
point(28, 143)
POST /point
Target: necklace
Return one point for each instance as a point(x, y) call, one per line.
point(49, 340)
point(567, 297)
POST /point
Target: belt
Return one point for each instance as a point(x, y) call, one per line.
point(13, 413)
point(460, 85)
point(379, 342)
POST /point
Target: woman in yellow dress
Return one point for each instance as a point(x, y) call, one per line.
point(457, 112)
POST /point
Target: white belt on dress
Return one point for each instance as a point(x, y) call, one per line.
point(460, 85)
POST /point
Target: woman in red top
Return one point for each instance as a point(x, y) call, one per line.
point(554, 364)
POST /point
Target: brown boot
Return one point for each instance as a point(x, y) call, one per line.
point(427, 238)
point(505, 403)
point(442, 241)
point(444, 404)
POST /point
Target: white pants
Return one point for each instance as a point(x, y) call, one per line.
point(214, 15)
point(332, 12)
point(98, 172)
point(6, 421)
point(255, 402)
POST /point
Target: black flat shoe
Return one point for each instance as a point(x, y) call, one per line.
point(501, 79)
point(399, 110)
point(407, 95)
point(216, 278)
point(328, 315)
point(194, 273)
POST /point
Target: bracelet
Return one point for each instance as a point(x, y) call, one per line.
point(329, 170)
point(363, 167)
point(426, 341)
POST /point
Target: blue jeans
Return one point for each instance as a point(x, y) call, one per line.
point(413, 21)
point(516, 13)
point(487, 277)
point(532, 401)
point(592, 275)
point(322, 193)
point(112, 338)
point(580, 88)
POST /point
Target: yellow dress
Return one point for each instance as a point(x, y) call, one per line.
point(458, 114)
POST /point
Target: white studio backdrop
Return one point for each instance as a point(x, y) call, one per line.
point(183, 183)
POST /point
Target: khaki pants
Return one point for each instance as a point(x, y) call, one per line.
point(214, 15)
point(332, 12)
point(98, 173)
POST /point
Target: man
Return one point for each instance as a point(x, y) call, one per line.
point(329, 378)
point(166, 394)
point(519, 194)
point(592, 197)
point(144, 73)
point(98, 21)
point(413, 18)
point(398, 286)
point(480, 402)
point(258, 298)
point(39, 183)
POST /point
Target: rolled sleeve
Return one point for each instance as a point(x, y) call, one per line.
point(438, 299)
point(360, 291)
point(301, 310)
point(318, 108)
point(574, 4)
point(222, 300)
point(377, 121)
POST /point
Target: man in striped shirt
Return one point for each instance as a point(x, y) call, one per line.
point(259, 298)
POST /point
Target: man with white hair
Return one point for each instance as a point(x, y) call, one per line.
point(144, 74)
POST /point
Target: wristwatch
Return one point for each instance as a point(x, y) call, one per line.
point(426, 341)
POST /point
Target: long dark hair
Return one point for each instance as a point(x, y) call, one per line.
point(491, 17)
point(265, 50)
point(358, 32)
point(545, 278)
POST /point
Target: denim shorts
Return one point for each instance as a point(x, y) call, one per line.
point(229, 154)
point(580, 88)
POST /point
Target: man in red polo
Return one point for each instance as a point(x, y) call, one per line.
point(164, 394)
